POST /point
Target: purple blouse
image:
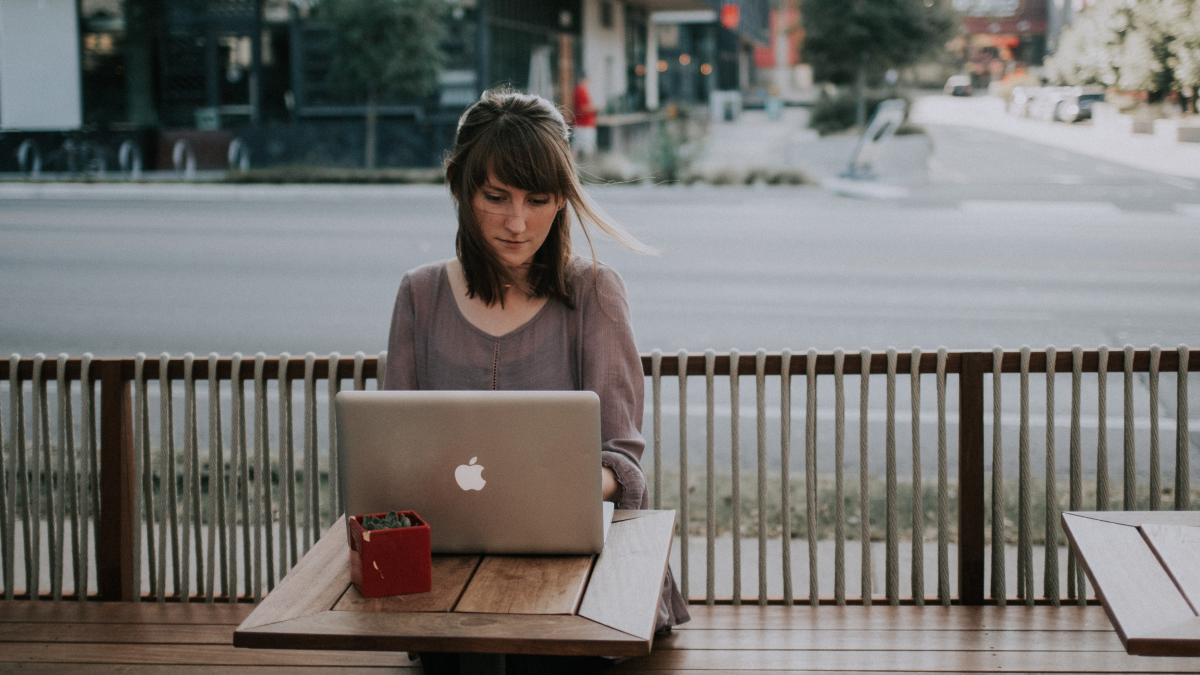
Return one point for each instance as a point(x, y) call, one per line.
point(433, 346)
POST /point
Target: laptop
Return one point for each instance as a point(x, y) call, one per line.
point(492, 472)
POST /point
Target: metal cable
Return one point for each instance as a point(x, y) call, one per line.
point(999, 589)
point(7, 521)
point(1155, 475)
point(168, 519)
point(1076, 583)
point(1129, 463)
point(892, 569)
point(381, 370)
point(67, 480)
point(264, 544)
point(943, 486)
point(710, 552)
point(189, 462)
point(359, 361)
point(656, 386)
point(918, 507)
point(760, 400)
point(218, 527)
point(1024, 496)
point(240, 464)
point(839, 458)
point(43, 479)
point(684, 519)
point(91, 487)
point(1102, 502)
point(310, 436)
point(1050, 577)
point(810, 473)
point(336, 507)
point(20, 489)
point(1182, 442)
point(735, 460)
point(287, 472)
point(144, 500)
point(785, 471)
point(864, 497)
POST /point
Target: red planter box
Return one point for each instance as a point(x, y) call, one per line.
point(390, 562)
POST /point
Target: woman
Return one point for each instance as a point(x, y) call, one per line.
point(516, 309)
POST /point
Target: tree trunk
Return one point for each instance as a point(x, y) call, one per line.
point(372, 119)
point(860, 92)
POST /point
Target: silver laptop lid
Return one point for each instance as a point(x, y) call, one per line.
point(490, 471)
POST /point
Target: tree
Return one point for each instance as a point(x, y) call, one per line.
point(1146, 45)
point(849, 40)
point(383, 48)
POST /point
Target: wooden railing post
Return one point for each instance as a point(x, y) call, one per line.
point(115, 545)
point(971, 508)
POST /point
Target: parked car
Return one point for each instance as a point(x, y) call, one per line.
point(1061, 104)
point(958, 85)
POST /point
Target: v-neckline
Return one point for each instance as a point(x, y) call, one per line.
point(463, 317)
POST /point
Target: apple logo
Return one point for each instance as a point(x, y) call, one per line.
point(470, 476)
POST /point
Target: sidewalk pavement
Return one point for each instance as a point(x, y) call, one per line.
point(1142, 151)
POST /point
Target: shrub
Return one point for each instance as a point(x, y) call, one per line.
point(831, 114)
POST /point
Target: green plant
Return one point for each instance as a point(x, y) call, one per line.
point(831, 114)
point(389, 522)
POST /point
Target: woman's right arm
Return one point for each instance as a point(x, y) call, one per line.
point(402, 360)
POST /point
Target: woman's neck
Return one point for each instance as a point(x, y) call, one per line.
point(499, 318)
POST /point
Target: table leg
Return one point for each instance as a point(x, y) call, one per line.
point(481, 664)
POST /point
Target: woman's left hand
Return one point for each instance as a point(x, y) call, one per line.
point(612, 489)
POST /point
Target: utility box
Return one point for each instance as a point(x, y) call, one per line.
point(40, 86)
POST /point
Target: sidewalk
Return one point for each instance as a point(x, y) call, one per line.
point(1142, 151)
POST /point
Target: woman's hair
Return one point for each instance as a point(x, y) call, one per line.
point(523, 141)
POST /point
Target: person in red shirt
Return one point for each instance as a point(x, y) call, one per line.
point(584, 136)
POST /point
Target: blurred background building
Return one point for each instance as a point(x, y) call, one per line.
point(80, 79)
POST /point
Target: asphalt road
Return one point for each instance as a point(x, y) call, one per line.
point(1000, 242)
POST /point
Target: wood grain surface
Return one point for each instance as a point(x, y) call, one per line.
point(1137, 518)
point(1182, 639)
point(453, 631)
point(1178, 549)
point(194, 669)
point(227, 655)
point(893, 640)
point(883, 618)
point(313, 585)
point(21, 611)
point(627, 580)
point(450, 576)
point(507, 584)
point(1138, 595)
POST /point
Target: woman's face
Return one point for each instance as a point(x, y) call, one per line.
point(514, 222)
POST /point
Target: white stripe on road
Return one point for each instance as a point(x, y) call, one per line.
point(1034, 206)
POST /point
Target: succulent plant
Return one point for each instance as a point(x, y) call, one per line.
point(389, 522)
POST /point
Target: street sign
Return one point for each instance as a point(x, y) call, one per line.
point(730, 15)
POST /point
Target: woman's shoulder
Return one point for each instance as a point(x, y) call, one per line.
point(424, 279)
point(589, 276)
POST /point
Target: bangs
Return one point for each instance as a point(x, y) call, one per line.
point(522, 156)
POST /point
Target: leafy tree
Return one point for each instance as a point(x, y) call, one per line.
point(1146, 45)
point(848, 40)
point(383, 48)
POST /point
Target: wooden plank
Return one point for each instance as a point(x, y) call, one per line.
point(632, 514)
point(190, 669)
point(450, 576)
point(1178, 549)
point(971, 488)
point(314, 585)
point(117, 633)
point(907, 661)
point(217, 655)
point(123, 612)
point(509, 584)
point(451, 631)
point(1182, 639)
point(1138, 594)
point(885, 618)
point(626, 583)
point(895, 640)
point(115, 551)
point(1136, 518)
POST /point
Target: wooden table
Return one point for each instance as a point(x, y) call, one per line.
point(1145, 566)
point(601, 605)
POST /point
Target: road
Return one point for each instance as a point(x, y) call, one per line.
point(999, 242)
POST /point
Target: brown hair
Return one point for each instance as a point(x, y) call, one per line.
point(523, 141)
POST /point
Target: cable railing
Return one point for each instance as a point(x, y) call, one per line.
point(125, 498)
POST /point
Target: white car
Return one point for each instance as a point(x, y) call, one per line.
point(958, 85)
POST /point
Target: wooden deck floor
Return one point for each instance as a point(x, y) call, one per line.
point(75, 638)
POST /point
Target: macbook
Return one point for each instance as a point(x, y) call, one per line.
point(503, 472)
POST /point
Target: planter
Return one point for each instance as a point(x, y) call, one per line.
point(390, 562)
